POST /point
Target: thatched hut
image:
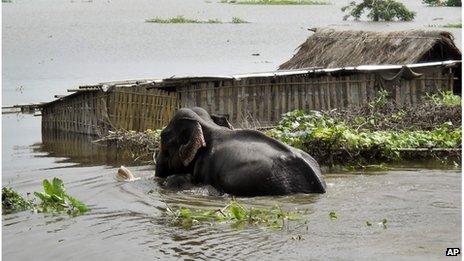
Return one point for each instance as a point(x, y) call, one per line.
point(330, 48)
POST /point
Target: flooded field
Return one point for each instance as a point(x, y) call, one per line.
point(422, 206)
point(50, 46)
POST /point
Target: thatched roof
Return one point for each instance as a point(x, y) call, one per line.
point(329, 48)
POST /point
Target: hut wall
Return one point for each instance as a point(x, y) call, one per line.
point(251, 102)
point(75, 114)
point(137, 108)
point(96, 112)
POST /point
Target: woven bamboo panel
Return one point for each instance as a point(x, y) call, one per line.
point(261, 101)
point(96, 112)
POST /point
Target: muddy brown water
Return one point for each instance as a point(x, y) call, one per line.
point(422, 205)
point(52, 45)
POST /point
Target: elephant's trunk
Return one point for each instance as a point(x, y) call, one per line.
point(162, 167)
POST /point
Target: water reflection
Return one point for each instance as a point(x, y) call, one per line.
point(80, 149)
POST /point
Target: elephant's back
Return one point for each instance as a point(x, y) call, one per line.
point(254, 168)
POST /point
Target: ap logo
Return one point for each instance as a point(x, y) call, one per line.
point(453, 251)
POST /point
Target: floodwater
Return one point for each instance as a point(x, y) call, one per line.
point(52, 45)
point(127, 221)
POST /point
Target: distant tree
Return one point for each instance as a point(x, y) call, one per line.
point(442, 2)
point(379, 10)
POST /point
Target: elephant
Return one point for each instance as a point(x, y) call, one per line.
point(239, 162)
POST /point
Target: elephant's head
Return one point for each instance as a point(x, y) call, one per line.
point(219, 120)
point(180, 142)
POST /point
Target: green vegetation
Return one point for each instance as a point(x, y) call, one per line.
point(333, 141)
point(337, 138)
point(180, 19)
point(234, 213)
point(442, 2)
point(174, 20)
point(276, 2)
point(446, 99)
point(53, 199)
point(384, 223)
point(450, 25)
point(298, 237)
point(332, 215)
point(456, 25)
point(13, 202)
point(379, 10)
point(237, 20)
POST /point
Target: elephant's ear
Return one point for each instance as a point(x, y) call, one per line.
point(222, 121)
point(196, 141)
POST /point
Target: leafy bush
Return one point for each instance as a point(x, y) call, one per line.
point(379, 10)
point(442, 2)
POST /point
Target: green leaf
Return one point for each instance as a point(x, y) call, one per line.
point(238, 212)
point(78, 204)
point(57, 199)
point(333, 215)
point(58, 187)
point(42, 196)
point(185, 213)
point(48, 188)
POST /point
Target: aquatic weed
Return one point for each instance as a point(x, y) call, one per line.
point(333, 215)
point(234, 213)
point(238, 20)
point(331, 139)
point(55, 199)
point(13, 202)
point(180, 19)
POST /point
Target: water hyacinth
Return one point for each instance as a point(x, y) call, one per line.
point(55, 199)
point(235, 214)
point(326, 138)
